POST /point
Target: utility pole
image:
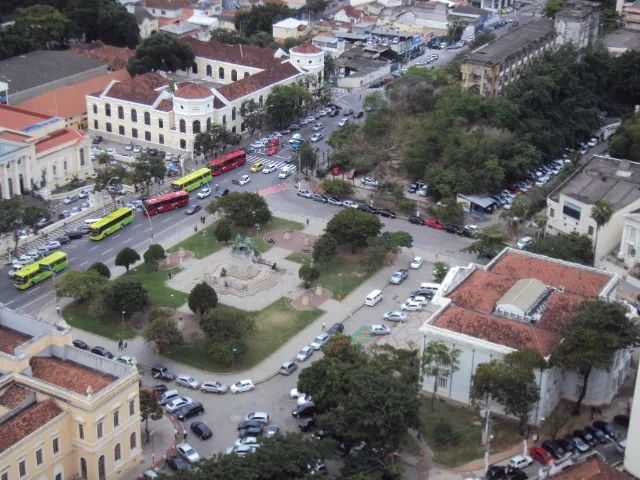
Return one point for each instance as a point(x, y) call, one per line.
point(486, 434)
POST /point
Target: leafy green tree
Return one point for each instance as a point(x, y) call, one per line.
point(161, 329)
point(626, 141)
point(226, 326)
point(252, 114)
point(229, 37)
point(308, 274)
point(213, 139)
point(329, 66)
point(336, 187)
point(126, 296)
point(316, 6)
point(449, 211)
point(101, 268)
point(160, 52)
point(104, 20)
point(16, 214)
point(202, 298)
point(43, 24)
point(601, 213)
point(395, 240)
point(324, 249)
point(150, 409)
point(13, 43)
point(110, 176)
point(154, 255)
point(591, 338)
point(308, 158)
point(243, 209)
point(222, 230)
point(490, 242)
point(353, 227)
point(126, 257)
point(81, 285)
point(440, 270)
point(374, 101)
point(520, 206)
point(262, 39)
point(375, 255)
point(286, 103)
point(260, 18)
point(571, 247)
point(439, 359)
point(148, 168)
point(553, 7)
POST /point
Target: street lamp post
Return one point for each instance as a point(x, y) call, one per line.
point(123, 314)
point(233, 358)
point(148, 218)
point(53, 276)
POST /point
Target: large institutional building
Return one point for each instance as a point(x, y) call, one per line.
point(153, 110)
point(64, 412)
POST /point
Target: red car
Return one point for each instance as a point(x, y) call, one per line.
point(272, 150)
point(274, 142)
point(433, 223)
point(335, 171)
point(541, 455)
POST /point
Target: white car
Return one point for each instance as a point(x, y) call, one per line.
point(214, 387)
point(380, 330)
point(187, 452)
point(242, 450)
point(520, 461)
point(524, 242)
point(176, 403)
point(411, 306)
point(242, 386)
point(54, 245)
point(395, 316)
point(416, 262)
point(317, 127)
point(187, 381)
point(369, 181)
point(262, 417)
point(204, 193)
point(319, 341)
point(350, 204)
point(244, 179)
point(295, 393)
point(269, 168)
point(128, 147)
point(343, 122)
point(304, 398)
point(127, 360)
point(316, 137)
point(304, 353)
point(137, 149)
point(246, 441)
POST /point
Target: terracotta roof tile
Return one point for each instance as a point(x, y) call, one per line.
point(69, 375)
point(59, 138)
point(497, 330)
point(279, 72)
point(481, 290)
point(248, 55)
point(560, 308)
point(140, 89)
point(306, 48)
point(116, 57)
point(27, 422)
point(572, 279)
point(16, 118)
point(168, 4)
point(10, 339)
point(14, 396)
point(592, 469)
point(192, 90)
point(165, 105)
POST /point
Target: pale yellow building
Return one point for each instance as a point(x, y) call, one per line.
point(65, 413)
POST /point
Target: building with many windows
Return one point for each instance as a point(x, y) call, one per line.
point(64, 412)
point(155, 110)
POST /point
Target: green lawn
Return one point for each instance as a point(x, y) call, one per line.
point(462, 444)
point(159, 294)
point(108, 325)
point(275, 324)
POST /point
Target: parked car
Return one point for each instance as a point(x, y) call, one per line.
point(344, 121)
point(411, 305)
point(452, 228)
point(201, 430)
point(272, 431)
point(520, 461)
point(416, 262)
point(127, 360)
point(262, 417)
point(167, 396)
point(212, 386)
point(606, 427)
point(287, 368)
point(319, 341)
point(581, 445)
point(307, 425)
point(585, 436)
point(242, 386)
point(318, 197)
point(63, 239)
point(177, 464)
point(249, 429)
point(189, 410)
point(398, 277)
point(567, 445)
point(304, 194)
point(304, 410)
point(433, 223)
point(304, 353)
point(395, 316)
point(380, 329)
point(385, 212)
point(80, 344)
point(163, 373)
point(175, 403)
point(187, 381)
point(554, 448)
point(316, 137)
point(103, 352)
point(335, 328)
point(524, 242)
point(416, 220)
point(187, 452)
point(541, 455)
point(349, 204)
point(596, 433)
point(367, 209)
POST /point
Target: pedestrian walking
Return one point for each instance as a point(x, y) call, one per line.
point(324, 326)
point(195, 228)
point(125, 345)
point(119, 344)
point(175, 432)
point(307, 221)
point(169, 275)
point(184, 436)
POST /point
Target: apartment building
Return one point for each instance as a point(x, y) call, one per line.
point(65, 413)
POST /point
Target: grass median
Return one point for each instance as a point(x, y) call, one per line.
point(275, 325)
point(107, 325)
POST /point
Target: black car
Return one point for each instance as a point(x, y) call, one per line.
point(103, 352)
point(307, 425)
point(286, 131)
point(416, 220)
point(333, 113)
point(293, 127)
point(554, 448)
point(201, 430)
point(607, 428)
point(497, 472)
point(305, 410)
point(585, 436)
point(452, 228)
point(74, 235)
point(163, 373)
point(596, 433)
point(335, 328)
point(622, 420)
point(222, 193)
point(367, 208)
point(566, 444)
point(83, 229)
point(422, 292)
point(96, 140)
point(80, 344)
point(250, 428)
point(189, 410)
point(159, 388)
point(249, 149)
point(358, 115)
point(385, 212)
point(63, 239)
point(177, 464)
point(193, 209)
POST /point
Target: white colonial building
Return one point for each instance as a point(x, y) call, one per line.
point(519, 301)
point(154, 110)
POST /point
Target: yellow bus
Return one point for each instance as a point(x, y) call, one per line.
point(111, 223)
point(40, 270)
point(193, 180)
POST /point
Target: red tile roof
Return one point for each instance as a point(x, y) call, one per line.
point(27, 422)
point(306, 48)
point(15, 137)
point(56, 139)
point(10, 339)
point(69, 375)
point(252, 83)
point(481, 290)
point(592, 469)
point(192, 90)
point(14, 396)
point(168, 4)
point(165, 105)
point(16, 118)
point(247, 55)
point(572, 279)
point(140, 89)
point(497, 330)
point(116, 57)
point(559, 309)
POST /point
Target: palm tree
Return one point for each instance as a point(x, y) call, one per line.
point(601, 212)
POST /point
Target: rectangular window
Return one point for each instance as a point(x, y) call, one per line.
point(160, 124)
point(121, 130)
point(5, 476)
point(95, 124)
point(22, 468)
point(39, 458)
point(147, 136)
point(571, 210)
point(58, 476)
point(161, 139)
point(134, 132)
point(82, 157)
point(55, 170)
point(56, 446)
point(95, 108)
point(108, 127)
point(99, 429)
point(132, 407)
point(81, 431)
point(442, 382)
point(552, 212)
point(116, 418)
point(590, 230)
point(65, 165)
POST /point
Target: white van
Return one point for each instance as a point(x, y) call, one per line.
point(286, 171)
point(430, 286)
point(373, 298)
point(89, 221)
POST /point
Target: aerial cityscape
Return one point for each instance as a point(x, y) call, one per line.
point(350, 239)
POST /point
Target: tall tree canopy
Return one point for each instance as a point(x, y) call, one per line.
point(104, 20)
point(260, 18)
point(243, 209)
point(353, 227)
point(160, 52)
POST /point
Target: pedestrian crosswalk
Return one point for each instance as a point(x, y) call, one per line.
point(278, 161)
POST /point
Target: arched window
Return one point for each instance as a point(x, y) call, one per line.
point(209, 71)
point(208, 123)
point(183, 144)
point(221, 73)
point(107, 109)
point(134, 115)
point(246, 74)
point(83, 468)
point(117, 454)
point(121, 113)
point(183, 126)
point(233, 114)
point(132, 441)
point(147, 118)
point(196, 126)
point(194, 67)
point(234, 75)
point(102, 471)
point(224, 119)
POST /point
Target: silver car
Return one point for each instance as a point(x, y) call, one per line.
point(214, 387)
point(304, 353)
point(187, 381)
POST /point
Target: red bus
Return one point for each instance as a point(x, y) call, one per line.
point(227, 162)
point(164, 203)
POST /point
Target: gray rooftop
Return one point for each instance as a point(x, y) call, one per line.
point(43, 66)
point(505, 46)
point(523, 294)
point(622, 39)
point(616, 180)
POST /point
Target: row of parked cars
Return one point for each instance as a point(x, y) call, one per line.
point(320, 197)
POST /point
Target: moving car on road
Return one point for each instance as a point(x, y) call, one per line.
point(242, 386)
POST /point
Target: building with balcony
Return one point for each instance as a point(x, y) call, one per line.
point(65, 413)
